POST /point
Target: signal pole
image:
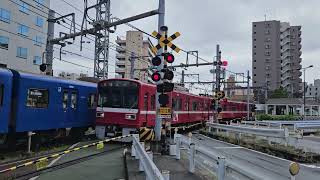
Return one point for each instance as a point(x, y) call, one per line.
point(218, 68)
point(248, 91)
point(157, 128)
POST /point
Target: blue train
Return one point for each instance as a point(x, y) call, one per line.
point(44, 105)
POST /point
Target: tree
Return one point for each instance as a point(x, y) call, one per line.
point(279, 93)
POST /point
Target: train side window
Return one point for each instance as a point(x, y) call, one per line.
point(91, 101)
point(1, 94)
point(38, 98)
point(187, 104)
point(145, 101)
point(65, 99)
point(74, 100)
point(179, 104)
point(194, 106)
point(153, 102)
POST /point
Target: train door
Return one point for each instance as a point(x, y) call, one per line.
point(70, 105)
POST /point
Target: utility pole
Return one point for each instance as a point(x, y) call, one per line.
point(218, 68)
point(248, 91)
point(49, 47)
point(161, 12)
point(102, 41)
point(132, 59)
point(182, 78)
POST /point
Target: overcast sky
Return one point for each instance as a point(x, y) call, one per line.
point(205, 23)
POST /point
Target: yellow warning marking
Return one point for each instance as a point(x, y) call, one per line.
point(28, 163)
point(76, 149)
point(54, 155)
point(100, 146)
point(67, 151)
point(13, 168)
point(42, 164)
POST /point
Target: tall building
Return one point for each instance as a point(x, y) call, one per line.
point(313, 90)
point(133, 54)
point(23, 34)
point(276, 51)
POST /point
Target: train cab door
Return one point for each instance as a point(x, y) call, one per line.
point(70, 105)
point(145, 107)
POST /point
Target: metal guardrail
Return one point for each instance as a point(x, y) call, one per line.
point(292, 122)
point(219, 164)
point(145, 161)
point(266, 132)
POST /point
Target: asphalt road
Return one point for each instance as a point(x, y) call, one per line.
point(257, 163)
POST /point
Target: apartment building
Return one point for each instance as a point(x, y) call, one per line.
point(23, 34)
point(133, 54)
point(276, 55)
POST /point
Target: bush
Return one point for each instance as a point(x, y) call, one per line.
point(276, 117)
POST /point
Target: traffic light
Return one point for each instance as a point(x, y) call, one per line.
point(213, 104)
point(219, 109)
point(163, 99)
point(156, 61)
point(165, 87)
point(253, 108)
point(43, 67)
point(156, 77)
point(168, 74)
point(168, 57)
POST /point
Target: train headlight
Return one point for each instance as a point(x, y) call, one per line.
point(131, 116)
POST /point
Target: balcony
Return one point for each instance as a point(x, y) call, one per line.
point(120, 70)
point(285, 41)
point(285, 54)
point(120, 63)
point(285, 69)
point(120, 41)
point(120, 56)
point(121, 49)
point(284, 34)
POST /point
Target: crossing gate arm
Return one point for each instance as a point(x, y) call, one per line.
point(61, 153)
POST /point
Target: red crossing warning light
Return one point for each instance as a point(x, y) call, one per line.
point(156, 76)
point(224, 63)
point(168, 57)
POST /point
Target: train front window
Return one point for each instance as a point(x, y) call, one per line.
point(118, 94)
point(1, 94)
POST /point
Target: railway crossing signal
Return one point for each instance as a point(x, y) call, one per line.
point(164, 41)
point(219, 95)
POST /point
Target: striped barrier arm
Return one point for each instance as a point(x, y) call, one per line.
point(61, 153)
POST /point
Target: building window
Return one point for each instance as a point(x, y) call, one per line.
point(267, 46)
point(40, 3)
point(5, 15)
point(255, 75)
point(38, 41)
point(37, 98)
point(254, 67)
point(254, 60)
point(4, 42)
point(267, 67)
point(268, 60)
point(37, 60)
point(267, 39)
point(310, 94)
point(24, 7)
point(267, 53)
point(255, 53)
point(254, 46)
point(22, 52)
point(255, 82)
point(293, 37)
point(254, 39)
point(254, 32)
point(39, 21)
point(255, 25)
point(23, 30)
point(293, 44)
point(267, 32)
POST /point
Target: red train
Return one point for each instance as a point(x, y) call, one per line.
point(125, 105)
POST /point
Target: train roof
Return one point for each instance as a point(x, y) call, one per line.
point(5, 71)
point(53, 79)
point(151, 85)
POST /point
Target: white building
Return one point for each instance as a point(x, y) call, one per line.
point(23, 33)
point(73, 76)
point(133, 46)
point(313, 90)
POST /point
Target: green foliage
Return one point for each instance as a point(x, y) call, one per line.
point(276, 117)
point(279, 93)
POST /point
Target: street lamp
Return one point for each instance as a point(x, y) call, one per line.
point(304, 90)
